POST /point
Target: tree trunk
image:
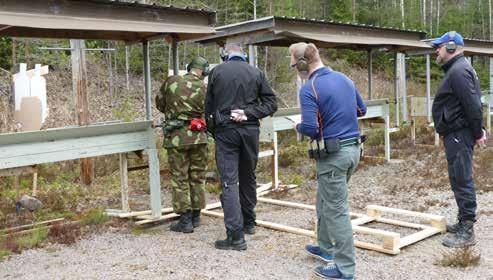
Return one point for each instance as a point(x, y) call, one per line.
point(402, 14)
point(438, 17)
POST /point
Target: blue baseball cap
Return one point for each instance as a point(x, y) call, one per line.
point(448, 37)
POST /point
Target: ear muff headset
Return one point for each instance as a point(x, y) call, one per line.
point(302, 64)
point(451, 46)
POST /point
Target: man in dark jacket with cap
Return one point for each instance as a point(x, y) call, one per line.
point(458, 117)
point(238, 96)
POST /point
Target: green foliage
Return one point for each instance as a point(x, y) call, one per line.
point(94, 217)
point(32, 239)
point(4, 254)
point(5, 53)
point(125, 111)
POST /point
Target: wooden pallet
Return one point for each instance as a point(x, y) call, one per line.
point(392, 242)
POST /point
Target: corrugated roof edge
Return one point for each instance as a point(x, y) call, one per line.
point(348, 24)
point(154, 6)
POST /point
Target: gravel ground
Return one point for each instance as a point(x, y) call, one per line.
point(156, 253)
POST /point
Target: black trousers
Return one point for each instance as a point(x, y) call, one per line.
point(236, 160)
point(459, 146)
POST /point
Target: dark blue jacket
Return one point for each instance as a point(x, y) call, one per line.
point(457, 103)
point(339, 103)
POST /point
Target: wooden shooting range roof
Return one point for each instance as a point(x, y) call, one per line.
point(283, 31)
point(102, 19)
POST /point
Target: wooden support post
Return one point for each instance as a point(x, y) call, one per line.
point(428, 89)
point(413, 130)
point(387, 138)
point(370, 72)
point(124, 181)
point(437, 139)
point(79, 85)
point(35, 183)
point(275, 162)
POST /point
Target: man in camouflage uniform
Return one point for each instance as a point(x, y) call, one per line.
point(181, 99)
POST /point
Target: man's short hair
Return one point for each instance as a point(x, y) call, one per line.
point(307, 50)
point(234, 47)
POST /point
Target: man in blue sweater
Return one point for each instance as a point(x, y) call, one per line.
point(330, 106)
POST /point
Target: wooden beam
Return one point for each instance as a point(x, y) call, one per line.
point(372, 209)
point(12, 229)
point(269, 225)
point(415, 237)
point(173, 215)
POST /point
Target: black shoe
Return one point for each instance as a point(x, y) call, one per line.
point(234, 241)
point(184, 224)
point(196, 218)
point(464, 237)
point(249, 229)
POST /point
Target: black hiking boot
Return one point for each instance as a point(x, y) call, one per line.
point(196, 218)
point(234, 241)
point(184, 224)
point(454, 228)
point(464, 237)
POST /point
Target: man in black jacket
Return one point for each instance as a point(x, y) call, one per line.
point(238, 96)
point(458, 117)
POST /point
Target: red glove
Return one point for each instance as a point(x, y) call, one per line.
point(197, 125)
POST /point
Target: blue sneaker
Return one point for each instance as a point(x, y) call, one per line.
point(315, 252)
point(329, 272)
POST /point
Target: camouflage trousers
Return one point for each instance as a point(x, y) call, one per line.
point(187, 166)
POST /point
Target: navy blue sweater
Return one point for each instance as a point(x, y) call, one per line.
point(339, 103)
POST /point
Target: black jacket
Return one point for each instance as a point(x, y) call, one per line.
point(235, 84)
point(457, 103)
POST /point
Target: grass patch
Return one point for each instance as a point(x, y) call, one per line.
point(459, 258)
point(94, 217)
point(213, 188)
point(4, 254)
point(33, 239)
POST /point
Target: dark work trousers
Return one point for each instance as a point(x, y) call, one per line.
point(236, 160)
point(459, 146)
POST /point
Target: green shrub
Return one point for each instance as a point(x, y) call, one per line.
point(33, 239)
point(94, 217)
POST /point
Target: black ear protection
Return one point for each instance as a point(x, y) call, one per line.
point(302, 62)
point(451, 46)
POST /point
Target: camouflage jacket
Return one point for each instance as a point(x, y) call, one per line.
point(182, 98)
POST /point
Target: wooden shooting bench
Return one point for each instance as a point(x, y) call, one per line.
point(132, 23)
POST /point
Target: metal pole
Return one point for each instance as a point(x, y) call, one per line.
point(396, 87)
point(147, 80)
point(428, 88)
point(251, 55)
point(403, 88)
point(370, 68)
point(174, 50)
